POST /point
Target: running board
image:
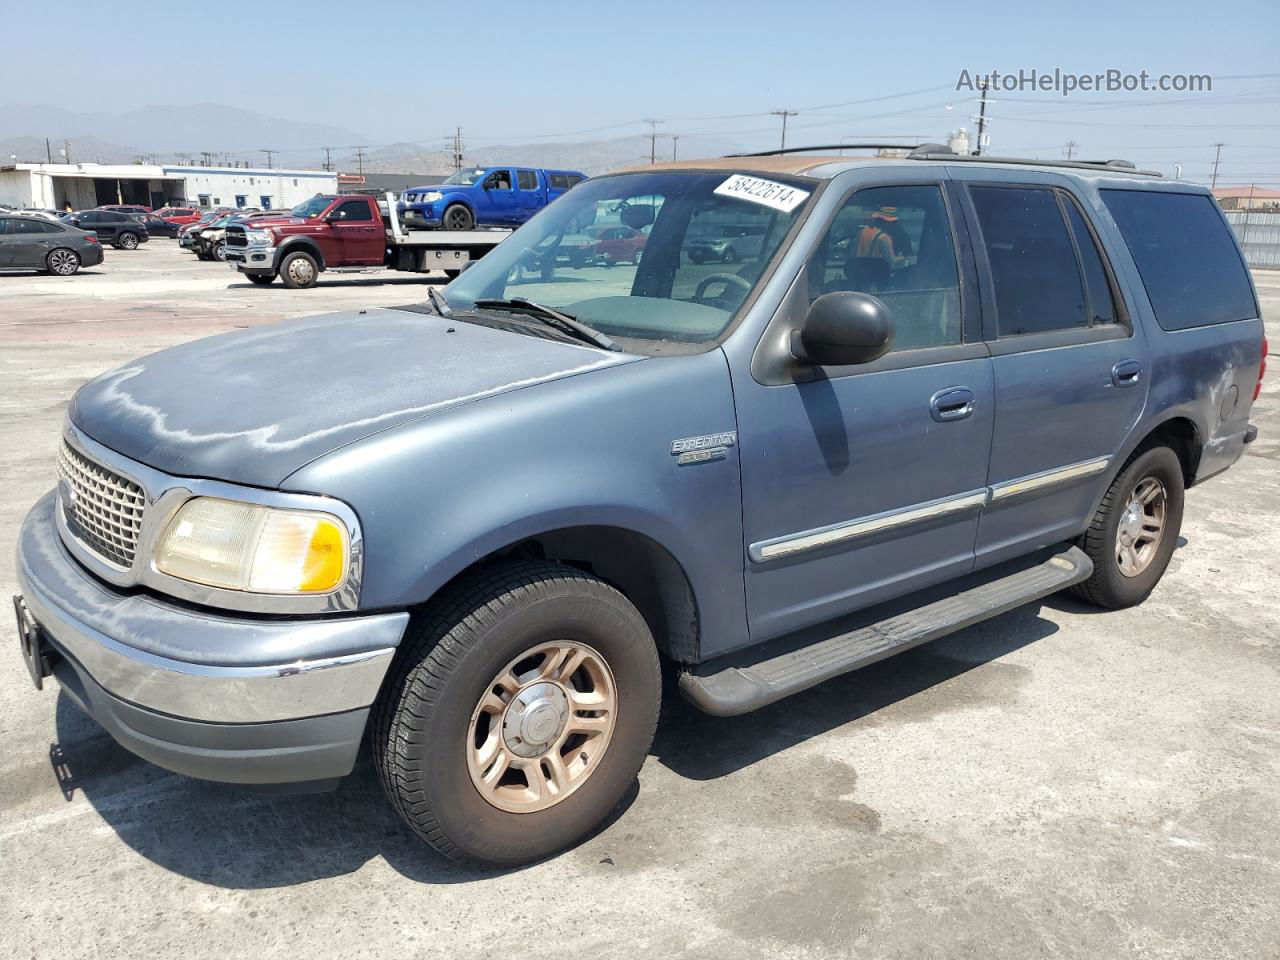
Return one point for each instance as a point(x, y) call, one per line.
point(741, 689)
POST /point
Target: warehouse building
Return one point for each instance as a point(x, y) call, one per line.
point(55, 186)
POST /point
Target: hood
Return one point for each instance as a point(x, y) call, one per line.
point(255, 405)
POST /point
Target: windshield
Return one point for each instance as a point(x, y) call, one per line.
point(465, 177)
point(629, 255)
point(311, 208)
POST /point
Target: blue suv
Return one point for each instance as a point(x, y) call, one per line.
point(484, 197)
point(478, 532)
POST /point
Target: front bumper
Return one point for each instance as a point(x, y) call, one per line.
point(419, 215)
point(298, 717)
point(255, 258)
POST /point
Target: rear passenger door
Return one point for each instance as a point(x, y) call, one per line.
point(530, 197)
point(1071, 372)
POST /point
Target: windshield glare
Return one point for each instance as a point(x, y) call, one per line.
point(311, 208)
point(658, 256)
point(465, 177)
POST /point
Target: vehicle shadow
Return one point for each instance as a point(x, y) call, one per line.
point(232, 838)
point(347, 282)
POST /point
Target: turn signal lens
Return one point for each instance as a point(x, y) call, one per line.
point(259, 549)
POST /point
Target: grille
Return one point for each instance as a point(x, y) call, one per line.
point(236, 237)
point(104, 509)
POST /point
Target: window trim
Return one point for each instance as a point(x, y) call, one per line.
point(1122, 329)
point(773, 364)
point(1122, 315)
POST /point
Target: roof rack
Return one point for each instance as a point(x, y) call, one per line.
point(938, 151)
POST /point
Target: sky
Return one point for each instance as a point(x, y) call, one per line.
point(399, 71)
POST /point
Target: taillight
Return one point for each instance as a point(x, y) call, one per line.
point(1262, 368)
point(91, 237)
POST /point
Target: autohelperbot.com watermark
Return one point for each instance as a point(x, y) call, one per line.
point(1066, 82)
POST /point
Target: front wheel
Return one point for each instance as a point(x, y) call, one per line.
point(1134, 531)
point(520, 712)
point(298, 271)
point(220, 251)
point(458, 217)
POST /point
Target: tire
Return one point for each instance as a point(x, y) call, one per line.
point(127, 241)
point(426, 724)
point(62, 262)
point(200, 254)
point(298, 271)
point(1111, 585)
point(453, 274)
point(261, 279)
point(731, 255)
point(220, 251)
point(458, 217)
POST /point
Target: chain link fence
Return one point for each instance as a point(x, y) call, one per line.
point(1259, 235)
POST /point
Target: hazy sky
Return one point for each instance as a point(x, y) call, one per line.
point(513, 72)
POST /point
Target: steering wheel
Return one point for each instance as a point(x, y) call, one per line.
point(728, 279)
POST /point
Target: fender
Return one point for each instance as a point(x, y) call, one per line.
point(290, 244)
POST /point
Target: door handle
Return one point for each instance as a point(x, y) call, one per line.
point(953, 403)
point(1126, 373)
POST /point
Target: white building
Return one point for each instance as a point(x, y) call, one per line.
point(83, 185)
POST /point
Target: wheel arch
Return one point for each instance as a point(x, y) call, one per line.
point(299, 245)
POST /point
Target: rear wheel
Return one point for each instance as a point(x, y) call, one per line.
point(127, 241)
point(458, 217)
point(298, 271)
point(522, 708)
point(1135, 531)
point(62, 262)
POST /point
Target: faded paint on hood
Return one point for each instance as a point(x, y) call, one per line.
point(255, 405)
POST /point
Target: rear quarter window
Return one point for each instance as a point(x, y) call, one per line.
point(1186, 255)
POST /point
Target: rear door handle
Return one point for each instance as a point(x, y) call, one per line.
point(1126, 373)
point(953, 403)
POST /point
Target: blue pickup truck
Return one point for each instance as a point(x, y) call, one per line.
point(484, 197)
point(478, 533)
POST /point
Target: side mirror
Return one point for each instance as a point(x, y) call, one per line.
point(332, 218)
point(844, 328)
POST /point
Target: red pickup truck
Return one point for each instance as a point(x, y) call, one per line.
point(346, 233)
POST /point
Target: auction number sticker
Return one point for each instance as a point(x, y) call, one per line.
point(768, 193)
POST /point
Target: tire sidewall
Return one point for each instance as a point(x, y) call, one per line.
point(596, 617)
point(288, 280)
point(1161, 463)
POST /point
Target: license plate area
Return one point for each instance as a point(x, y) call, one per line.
point(31, 643)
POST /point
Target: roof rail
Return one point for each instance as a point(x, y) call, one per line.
point(938, 151)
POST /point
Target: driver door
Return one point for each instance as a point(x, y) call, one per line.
point(359, 238)
point(500, 195)
point(861, 483)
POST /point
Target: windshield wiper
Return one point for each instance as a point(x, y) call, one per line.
point(439, 302)
point(562, 320)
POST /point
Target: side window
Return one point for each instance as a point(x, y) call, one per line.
point(5, 223)
point(354, 210)
point(896, 243)
point(498, 180)
point(25, 226)
point(1186, 256)
point(558, 181)
point(527, 179)
point(1102, 308)
point(573, 179)
point(47, 226)
point(1033, 262)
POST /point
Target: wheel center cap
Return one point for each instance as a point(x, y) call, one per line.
point(1131, 523)
point(534, 719)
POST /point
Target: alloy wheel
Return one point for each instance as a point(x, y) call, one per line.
point(1141, 527)
point(63, 262)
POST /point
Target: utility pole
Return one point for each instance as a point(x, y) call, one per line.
point(982, 121)
point(784, 114)
point(457, 149)
point(66, 150)
point(653, 140)
point(360, 159)
point(1069, 148)
point(328, 159)
point(675, 139)
point(1217, 158)
point(48, 150)
point(270, 154)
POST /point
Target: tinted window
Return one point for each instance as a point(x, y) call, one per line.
point(1102, 308)
point(354, 210)
point(4, 226)
point(527, 179)
point(1033, 262)
point(1186, 256)
point(25, 225)
point(558, 180)
point(895, 242)
point(574, 179)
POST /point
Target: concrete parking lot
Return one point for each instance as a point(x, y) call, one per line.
point(1055, 782)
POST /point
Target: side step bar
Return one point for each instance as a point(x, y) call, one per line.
point(741, 689)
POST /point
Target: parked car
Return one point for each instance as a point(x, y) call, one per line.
point(156, 227)
point(180, 216)
point(124, 207)
point(484, 196)
point(41, 212)
point(188, 233)
point(618, 245)
point(729, 244)
point(210, 242)
point(38, 243)
point(119, 229)
point(474, 532)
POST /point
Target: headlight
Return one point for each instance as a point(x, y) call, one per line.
point(259, 549)
point(431, 196)
point(257, 236)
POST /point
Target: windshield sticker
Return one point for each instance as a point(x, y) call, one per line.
point(768, 193)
